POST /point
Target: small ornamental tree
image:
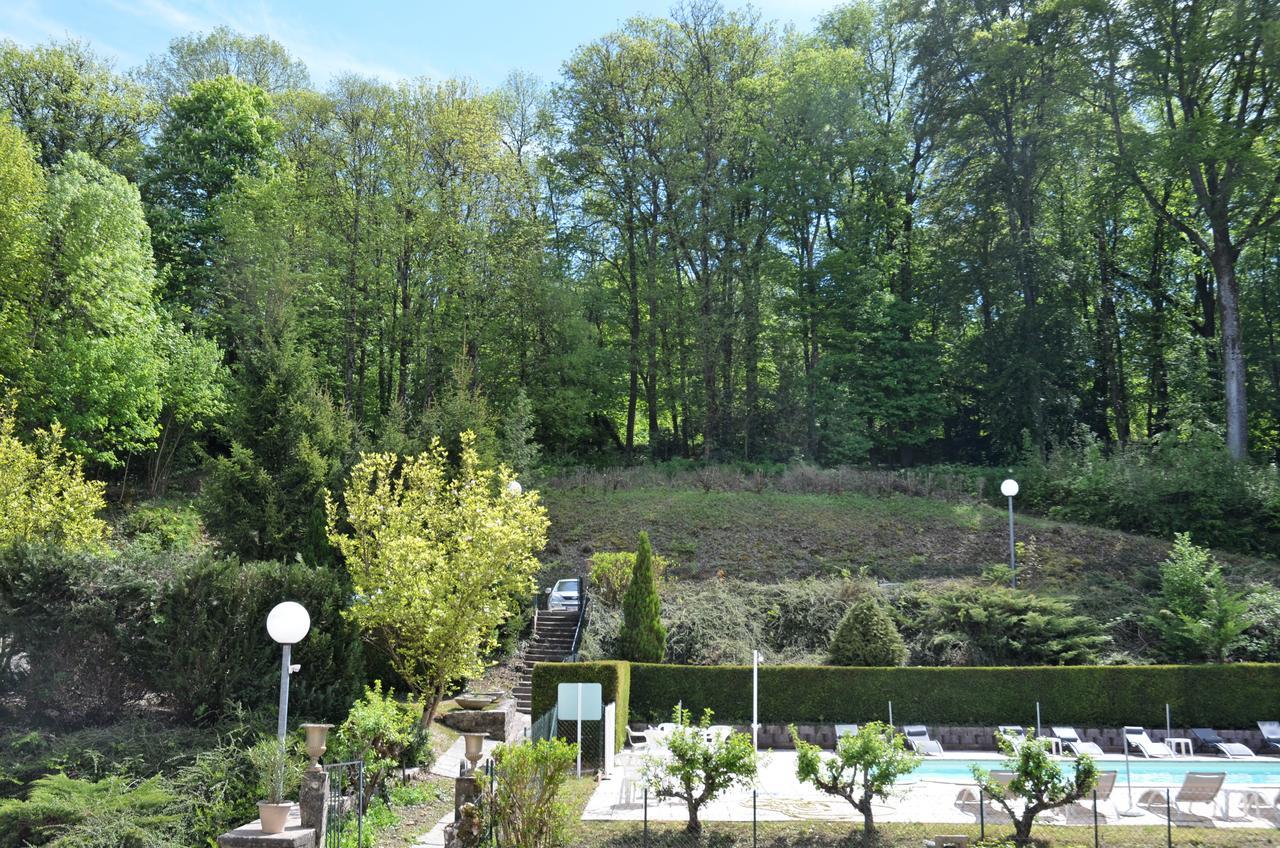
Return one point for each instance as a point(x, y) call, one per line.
point(867, 635)
point(1198, 615)
point(865, 767)
point(642, 638)
point(436, 554)
point(699, 767)
point(1039, 783)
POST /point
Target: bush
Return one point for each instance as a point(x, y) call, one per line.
point(611, 574)
point(1231, 695)
point(977, 625)
point(867, 635)
point(379, 731)
point(70, 813)
point(524, 801)
point(642, 638)
point(99, 633)
point(1185, 483)
point(1198, 617)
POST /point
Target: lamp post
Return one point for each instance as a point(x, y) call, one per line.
point(1009, 488)
point(287, 623)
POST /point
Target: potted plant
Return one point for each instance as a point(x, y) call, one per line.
point(276, 772)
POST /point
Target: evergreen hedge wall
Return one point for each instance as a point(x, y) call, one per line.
point(613, 676)
point(1233, 696)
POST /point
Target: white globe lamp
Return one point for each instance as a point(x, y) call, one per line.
point(287, 623)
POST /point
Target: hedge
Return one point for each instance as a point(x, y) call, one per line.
point(613, 676)
point(1233, 696)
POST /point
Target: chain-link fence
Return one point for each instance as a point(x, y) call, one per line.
point(591, 743)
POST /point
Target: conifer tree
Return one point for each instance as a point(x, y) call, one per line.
point(643, 638)
point(867, 636)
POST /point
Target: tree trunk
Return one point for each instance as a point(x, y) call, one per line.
point(694, 825)
point(1233, 369)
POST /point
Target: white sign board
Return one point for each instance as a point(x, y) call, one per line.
point(580, 702)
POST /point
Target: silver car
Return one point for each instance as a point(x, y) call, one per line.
point(564, 595)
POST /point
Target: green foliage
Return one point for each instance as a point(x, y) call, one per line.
point(436, 555)
point(864, 767)
point(219, 788)
point(96, 366)
point(615, 685)
point(289, 443)
point(1039, 782)
point(22, 255)
point(1186, 483)
point(642, 637)
point(462, 408)
point(1093, 696)
point(44, 496)
point(1196, 614)
point(103, 633)
point(611, 575)
point(163, 526)
point(525, 802)
point(867, 635)
point(519, 449)
point(214, 133)
point(68, 99)
point(278, 770)
point(68, 813)
point(697, 766)
point(974, 625)
point(380, 731)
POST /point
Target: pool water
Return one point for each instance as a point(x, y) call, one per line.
point(1259, 772)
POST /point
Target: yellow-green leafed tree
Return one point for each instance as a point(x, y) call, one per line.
point(44, 495)
point(436, 557)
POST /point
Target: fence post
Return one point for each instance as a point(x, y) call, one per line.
point(753, 819)
point(982, 814)
point(360, 808)
point(646, 817)
point(1095, 818)
point(1168, 815)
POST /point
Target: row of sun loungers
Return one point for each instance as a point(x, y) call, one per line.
point(1137, 738)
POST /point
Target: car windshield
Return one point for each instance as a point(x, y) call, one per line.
point(564, 586)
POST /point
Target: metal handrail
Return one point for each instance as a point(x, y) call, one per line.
point(583, 600)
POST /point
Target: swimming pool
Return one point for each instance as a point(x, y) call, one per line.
point(1260, 772)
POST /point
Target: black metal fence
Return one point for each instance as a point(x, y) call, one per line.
point(346, 794)
point(764, 820)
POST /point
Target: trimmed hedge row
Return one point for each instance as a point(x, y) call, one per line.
point(613, 676)
point(1225, 696)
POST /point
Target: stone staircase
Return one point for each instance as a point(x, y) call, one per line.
point(552, 642)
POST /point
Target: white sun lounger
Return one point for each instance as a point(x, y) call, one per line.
point(1139, 740)
point(1073, 743)
point(918, 738)
point(1209, 737)
point(1270, 733)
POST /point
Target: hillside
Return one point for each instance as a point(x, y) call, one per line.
point(767, 536)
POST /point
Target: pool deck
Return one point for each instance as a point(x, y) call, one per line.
point(781, 797)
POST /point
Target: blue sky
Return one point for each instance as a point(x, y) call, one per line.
point(482, 40)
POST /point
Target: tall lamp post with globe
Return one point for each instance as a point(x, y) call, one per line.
point(287, 623)
point(1009, 488)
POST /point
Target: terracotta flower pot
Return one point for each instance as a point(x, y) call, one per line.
point(273, 816)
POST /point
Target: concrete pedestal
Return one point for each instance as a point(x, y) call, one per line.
point(313, 801)
point(251, 835)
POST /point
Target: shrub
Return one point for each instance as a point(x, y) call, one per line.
point(699, 767)
point(1197, 616)
point(163, 527)
point(65, 811)
point(524, 801)
point(867, 635)
point(379, 731)
point(611, 574)
point(642, 638)
point(974, 625)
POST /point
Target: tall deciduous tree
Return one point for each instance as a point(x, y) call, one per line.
point(1194, 96)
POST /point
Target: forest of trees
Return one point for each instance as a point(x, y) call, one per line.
point(944, 231)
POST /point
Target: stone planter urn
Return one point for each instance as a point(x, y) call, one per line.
point(474, 747)
point(273, 816)
point(317, 742)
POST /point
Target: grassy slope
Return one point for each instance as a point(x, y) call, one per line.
point(765, 536)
